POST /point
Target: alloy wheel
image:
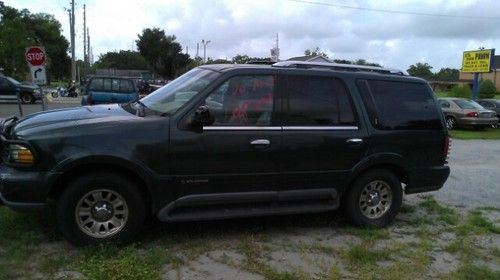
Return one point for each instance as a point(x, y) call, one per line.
point(375, 199)
point(101, 213)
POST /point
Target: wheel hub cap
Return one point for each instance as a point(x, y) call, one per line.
point(101, 213)
point(375, 199)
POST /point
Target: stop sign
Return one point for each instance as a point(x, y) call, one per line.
point(35, 56)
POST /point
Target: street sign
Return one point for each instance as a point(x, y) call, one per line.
point(38, 75)
point(35, 56)
point(479, 61)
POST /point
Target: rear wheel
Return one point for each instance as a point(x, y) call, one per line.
point(100, 208)
point(374, 199)
point(451, 123)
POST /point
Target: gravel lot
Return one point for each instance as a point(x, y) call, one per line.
point(475, 174)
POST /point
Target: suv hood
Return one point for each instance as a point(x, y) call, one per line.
point(71, 117)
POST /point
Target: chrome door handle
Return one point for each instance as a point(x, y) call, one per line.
point(354, 141)
point(260, 142)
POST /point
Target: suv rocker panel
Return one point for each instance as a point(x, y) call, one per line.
point(232, 205)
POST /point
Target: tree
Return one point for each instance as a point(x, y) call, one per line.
point(315, 52)
point(122, 60)
point(243, 59)
point(342, 61)
point(422, 70)
point(447, 74)
point(163, 54)
point(364, 62)
point(486, 89)
point(20, 29)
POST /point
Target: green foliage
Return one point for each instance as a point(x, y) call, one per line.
point(315, 52)
point(364, 62)
point(486, 89)
point(422, 70)
point(447, 74)
point(242, 59)
point(122, 60)
point(163, 53)
point(20, 29)
point(488, 133)
point(462, 91)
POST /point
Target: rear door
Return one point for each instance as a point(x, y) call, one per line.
point(322, 136)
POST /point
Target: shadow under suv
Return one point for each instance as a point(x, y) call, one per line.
point(227, 141)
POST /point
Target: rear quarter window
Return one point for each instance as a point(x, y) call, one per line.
point(394, 105)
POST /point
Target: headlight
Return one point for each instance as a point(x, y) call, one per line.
point(20, 154)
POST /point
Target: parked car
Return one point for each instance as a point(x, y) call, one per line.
point(225, 141)
point(461, 112)
point(106, 90)
point(491, 104)
point(9, 88)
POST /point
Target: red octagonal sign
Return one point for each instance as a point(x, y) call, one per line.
point(35, 56)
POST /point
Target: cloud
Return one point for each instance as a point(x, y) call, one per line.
point(249, 27)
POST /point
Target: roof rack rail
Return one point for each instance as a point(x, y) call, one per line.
point(339, 67)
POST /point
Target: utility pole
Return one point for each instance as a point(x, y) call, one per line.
point(205, 43)
point(90, 61)
point(85, 52)
point(72, 31)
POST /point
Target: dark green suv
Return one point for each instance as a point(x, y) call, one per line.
point(227, 141)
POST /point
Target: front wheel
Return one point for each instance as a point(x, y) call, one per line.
point(54, 94)
point(100, 208)
point(374, 199)
point(27, 98)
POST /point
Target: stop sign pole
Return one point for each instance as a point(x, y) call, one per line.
point(36, 58)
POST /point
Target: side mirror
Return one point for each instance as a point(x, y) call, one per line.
point(202, 117)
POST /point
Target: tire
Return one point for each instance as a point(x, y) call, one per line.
point(451, 123)
point(54, 94)
point(100, 208)
point(27, 98)
point(368, 193)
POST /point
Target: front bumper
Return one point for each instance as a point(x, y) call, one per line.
point(23, 190)
point(427, 179)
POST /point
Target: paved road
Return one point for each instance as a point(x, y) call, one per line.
point(9, 108)
point(475, 174)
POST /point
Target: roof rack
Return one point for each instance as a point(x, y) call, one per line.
point(339, 67)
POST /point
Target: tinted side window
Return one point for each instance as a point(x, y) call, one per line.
point(243, 100)
point(96, 84)
point(399, 105)
point(318, 101)
point(3, 82)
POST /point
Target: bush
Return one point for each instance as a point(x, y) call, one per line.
point(463, 91)
point(486, 89)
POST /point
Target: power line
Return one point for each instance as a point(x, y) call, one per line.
point(393, 11)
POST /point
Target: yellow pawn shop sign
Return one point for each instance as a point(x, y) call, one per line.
point(479, 61)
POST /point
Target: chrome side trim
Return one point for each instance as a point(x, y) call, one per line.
point(320, 128)
point(278, 128)
point(222, 128)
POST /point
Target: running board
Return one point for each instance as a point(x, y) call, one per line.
point(249, 204)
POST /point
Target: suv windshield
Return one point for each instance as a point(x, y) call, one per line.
point(171, 97)
point(467, 104)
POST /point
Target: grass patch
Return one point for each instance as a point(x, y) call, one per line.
point(488, 134)
point(477, 220)
point(446, 214)
point(360, 254)
point(469, 271)
point(369, 235)
point(107, 262)
point(407, 208)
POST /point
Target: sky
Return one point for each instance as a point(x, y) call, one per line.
point(430, 31)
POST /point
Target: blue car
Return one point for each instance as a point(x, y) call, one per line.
point(106, 90)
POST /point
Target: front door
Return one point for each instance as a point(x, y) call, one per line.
point(240, 151)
